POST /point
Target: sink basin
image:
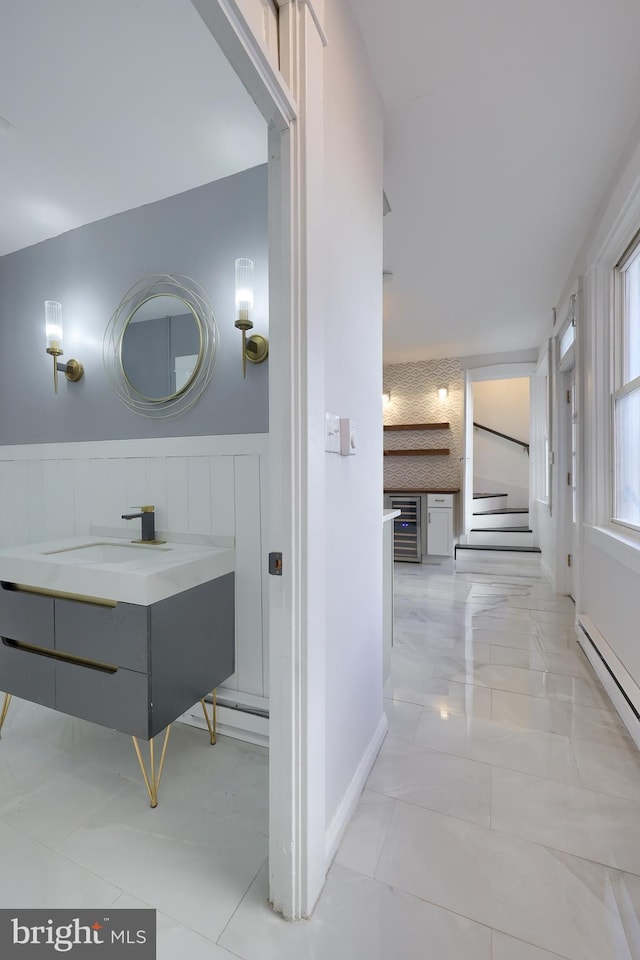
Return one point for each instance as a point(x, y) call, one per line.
point(104, 552)
point(114, 569)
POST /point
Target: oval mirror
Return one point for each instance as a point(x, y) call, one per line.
point(161, 347)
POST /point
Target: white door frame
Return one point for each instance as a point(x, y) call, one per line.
point(499, 371)
point(567, 528)
point(295, 834)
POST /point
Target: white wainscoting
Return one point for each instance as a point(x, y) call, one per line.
point(205, 485)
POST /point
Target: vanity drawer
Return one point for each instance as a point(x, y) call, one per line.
point(116, 700)
point(27, 674)
point(439, 500)
point(117, 635)
point(26, 616)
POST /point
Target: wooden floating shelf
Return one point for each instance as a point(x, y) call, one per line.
point(444, 452)
point(416, 426)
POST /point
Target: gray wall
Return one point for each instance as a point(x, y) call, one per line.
point(199, 233)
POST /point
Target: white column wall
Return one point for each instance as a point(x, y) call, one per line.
point(352, 333)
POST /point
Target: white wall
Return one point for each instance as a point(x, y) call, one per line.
point(498, 464)
point(608, 560)
point(352, 335)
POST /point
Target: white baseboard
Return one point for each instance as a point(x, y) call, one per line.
point(350, 800)
point(620, 686)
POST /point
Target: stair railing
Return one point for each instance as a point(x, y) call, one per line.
point(520, 443)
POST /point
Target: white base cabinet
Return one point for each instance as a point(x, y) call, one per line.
point(440, 524)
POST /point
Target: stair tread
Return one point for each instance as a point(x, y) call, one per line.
point(503, 510)
point(493, 547)
point(501, 530)
point(483, 496)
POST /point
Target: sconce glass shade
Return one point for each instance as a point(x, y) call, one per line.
point(53, 326)
point(442, 393)
point(244, 293)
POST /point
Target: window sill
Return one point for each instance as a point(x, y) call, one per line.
point(623, 547)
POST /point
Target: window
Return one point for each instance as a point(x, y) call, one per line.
point(626, 395)
point(567, 337)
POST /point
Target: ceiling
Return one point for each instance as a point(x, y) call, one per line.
point(105, 106)
point(504, 121)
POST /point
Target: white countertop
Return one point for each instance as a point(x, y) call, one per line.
point(390, 514)
point(153, 573)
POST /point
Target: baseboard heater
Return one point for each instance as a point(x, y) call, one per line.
point(241, 716)
point(622, 689)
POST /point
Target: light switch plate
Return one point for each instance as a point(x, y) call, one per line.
point(332, 433)
point(347, 437)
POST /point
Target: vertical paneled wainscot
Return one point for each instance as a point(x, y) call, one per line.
point(198, 485)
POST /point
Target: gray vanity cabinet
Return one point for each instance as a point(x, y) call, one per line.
point(131, 668)
point(26, 619)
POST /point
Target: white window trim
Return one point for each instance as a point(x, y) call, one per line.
point(618, 388)
point(604, 254)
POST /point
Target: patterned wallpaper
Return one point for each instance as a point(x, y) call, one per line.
point(414, 399)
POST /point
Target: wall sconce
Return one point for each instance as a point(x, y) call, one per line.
point(73, 370)
point(386, 398)
point(443, 393)
point(255, 348)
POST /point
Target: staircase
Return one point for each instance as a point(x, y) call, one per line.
point(499, 531)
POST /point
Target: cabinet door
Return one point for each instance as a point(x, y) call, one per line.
point(440, 532)
point(117, 635)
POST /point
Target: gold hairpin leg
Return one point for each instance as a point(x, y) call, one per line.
point(152, 782)
point(5, 708)
point(211, 722)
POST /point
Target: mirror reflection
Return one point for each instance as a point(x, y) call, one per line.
point(161, 347)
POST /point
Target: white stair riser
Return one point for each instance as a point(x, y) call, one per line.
point(493, 520)
point(495, 537)
point(484, 561)
point(490, 503)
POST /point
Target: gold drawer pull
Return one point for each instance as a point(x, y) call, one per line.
point(62, 657)
point(58, 594)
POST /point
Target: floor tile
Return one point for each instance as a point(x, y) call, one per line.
point(364, 837)
point(555, 901)
point(559, 716)
point(439, 781)
point(35, 876)
point(173, 939)
point(356, 919)
point(403, 719)
point(445, 696)
point(531, 638)
point(487, 741)
point(532, 683)
point(614, 770)
point(54, 807)
point(506, 948)
point(591, 825)
point(573, 664)
point(187, 862)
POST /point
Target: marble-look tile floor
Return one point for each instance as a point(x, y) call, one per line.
point(507, 793)
point(501, 820)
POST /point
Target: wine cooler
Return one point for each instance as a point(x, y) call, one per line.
point(406, 529)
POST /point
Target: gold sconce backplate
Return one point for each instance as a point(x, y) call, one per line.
point(74, 371)
point(257, 348)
